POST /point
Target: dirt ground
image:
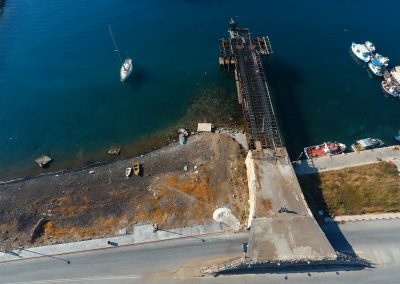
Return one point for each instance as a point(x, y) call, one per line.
point(373, 188)
point(78, 205)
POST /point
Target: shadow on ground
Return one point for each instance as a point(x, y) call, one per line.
point(311, 186)
point(342, 263)
point(187, 236)
point(42, 255)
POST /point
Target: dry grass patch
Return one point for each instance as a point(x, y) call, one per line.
point(102, 226)
point(358, 190)
point(175, 199)
point(69, 205)
point(198, 187)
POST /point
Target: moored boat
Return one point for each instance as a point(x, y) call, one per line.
point(126, 69)
point(370, 46)
point(136, 168)
point(367, 144)
point(378, 64)
point(361, 51)
point(324, 149)
point(127, 66)
point(128, 172)
point(391, 88)
point(391, 84)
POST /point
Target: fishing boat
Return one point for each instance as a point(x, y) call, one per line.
point(367, 144)
point(378, 64)
point(391, 88)
point(361, 51)
point(127, 65)
point(136, 168)
point(391, 82)
point(128, 172)
point(324, 149)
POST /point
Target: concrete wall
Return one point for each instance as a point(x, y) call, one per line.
point(253, 186)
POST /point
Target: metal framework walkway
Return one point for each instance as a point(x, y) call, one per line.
point(242, 54)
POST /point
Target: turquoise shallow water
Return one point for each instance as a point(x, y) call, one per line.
point(59, 76)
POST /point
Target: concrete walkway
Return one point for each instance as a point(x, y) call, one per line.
point(346, 160)
point(142, 234)
point(364, 217)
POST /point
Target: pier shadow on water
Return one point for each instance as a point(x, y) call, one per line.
point(283, 80)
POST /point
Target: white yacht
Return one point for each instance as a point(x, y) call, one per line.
point(127, 66)
point(370, 46)
point(378, 64)
point(126, 69)
point(361, 51)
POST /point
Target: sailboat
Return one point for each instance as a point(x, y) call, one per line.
point(127, 65)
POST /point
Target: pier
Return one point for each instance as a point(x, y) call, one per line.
point(243, 55)
point(293, 234)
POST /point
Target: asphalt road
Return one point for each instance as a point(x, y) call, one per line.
point(176, 261)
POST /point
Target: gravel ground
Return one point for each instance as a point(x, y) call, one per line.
point(78, 205)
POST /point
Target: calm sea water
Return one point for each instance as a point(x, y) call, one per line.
point(59, 76)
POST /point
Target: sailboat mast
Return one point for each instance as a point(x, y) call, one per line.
point(115, 44)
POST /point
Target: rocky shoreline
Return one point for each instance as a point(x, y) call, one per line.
point(213, 105)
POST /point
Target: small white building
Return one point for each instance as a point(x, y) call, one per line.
point(204, 127)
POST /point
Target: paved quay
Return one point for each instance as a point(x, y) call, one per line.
point(346, 160)
point(141, 234)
